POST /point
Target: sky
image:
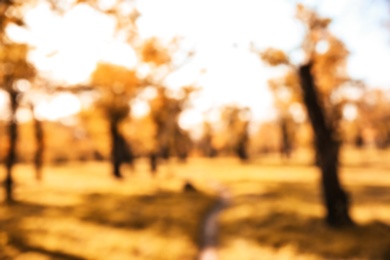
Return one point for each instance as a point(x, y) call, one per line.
point(221, 32)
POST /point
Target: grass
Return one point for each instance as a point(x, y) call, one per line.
point(79, 212)
point(276, 211)
point(290, 216)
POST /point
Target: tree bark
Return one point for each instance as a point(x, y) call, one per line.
point(153, 162)
point(286, 146)
point(335, 198)
point(241, 148)
point(38, 159)
point(116, 156)
point(11, 155)
point(125, 151)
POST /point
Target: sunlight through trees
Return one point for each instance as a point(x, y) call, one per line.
point(165, 96)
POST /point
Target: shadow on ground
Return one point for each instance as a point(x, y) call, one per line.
point(290, 215)
point(35, 231)
point(167, 213)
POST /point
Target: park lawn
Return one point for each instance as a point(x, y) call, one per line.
point(275, 210)
point(80, 212)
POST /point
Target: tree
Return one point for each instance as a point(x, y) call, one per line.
point(170, 138)
point(117, 86)
point(336, 199)
point(206, 143)
point(374, 112)
point(155, 61)
point(36, 92)
point(236, 120)
point(14, 67)
point(321, 76)
point(39, 142)
point(285, 97)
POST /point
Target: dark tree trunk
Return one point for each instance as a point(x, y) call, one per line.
point(125, 151)
point(286, 139)
point(163, 140)
point(241, 150)
point(335, 198)
point(182, 150)
point(38, 159)
point(359, 142)
point(165, 152)
point(116, 156)
point(153, 162)
point(11, 156)
point(206, 147)
point(182, 145)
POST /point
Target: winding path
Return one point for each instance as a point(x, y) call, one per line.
point(209, 229)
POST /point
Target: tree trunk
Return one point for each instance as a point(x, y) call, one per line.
point(286, 146)
point(241, 149)
point(38, 159)
point(126, 151)
point(116, 156)
point(181, 144)
point(11, 156)
point(153, 162)
point(335, 198)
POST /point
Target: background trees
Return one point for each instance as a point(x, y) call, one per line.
point(169, 138)
point(285, 92)
point(14, 69)
point(117, 86)
point(134, 105)
point(236, 122)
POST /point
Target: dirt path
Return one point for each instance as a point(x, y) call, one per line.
point(209, 229)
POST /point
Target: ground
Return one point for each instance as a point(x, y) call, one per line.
point(275, 212)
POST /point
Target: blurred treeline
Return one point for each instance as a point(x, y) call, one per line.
point(85, 136)
point(105, 127)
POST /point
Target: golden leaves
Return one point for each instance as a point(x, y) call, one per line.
point(118, 85)
point(330, 66)
point(311, 18)
point(153, 52)
point(274, 57)
point(117, 79)
point(13, 52)
point(13, 62)
point(286, 91)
